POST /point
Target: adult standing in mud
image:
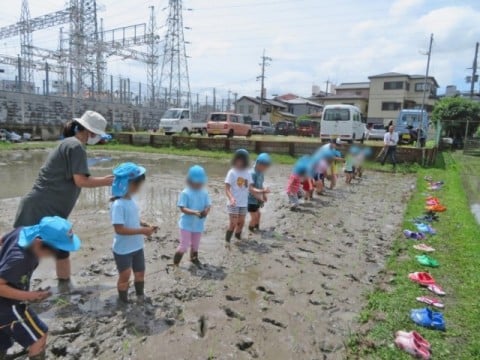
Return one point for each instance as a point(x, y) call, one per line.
point(61, 179)
point(390, 141)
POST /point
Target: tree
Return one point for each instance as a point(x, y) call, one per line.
point(454, 113)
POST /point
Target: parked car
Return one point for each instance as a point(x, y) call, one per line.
point(309, 128)
point(10, 135)
point(179, 120)
point(229, 124)
point(285, 128)
point(375, 132)
point(263, 127)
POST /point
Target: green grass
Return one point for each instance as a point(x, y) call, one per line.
point(31, 145)
point(458, 251)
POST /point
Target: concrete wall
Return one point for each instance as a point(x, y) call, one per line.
point(45, 115)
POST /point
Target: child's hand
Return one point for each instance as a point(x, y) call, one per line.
point(265, 198)
point(266, 190)
point(148, 230)
point(233, 202)
point(40, 295)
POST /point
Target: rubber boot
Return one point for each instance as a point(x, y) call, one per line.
point(177, 258)
point(139, 287)
point(40, 356)
point(252, 229)
point(228, 236)
point(123, 296)
point(194, 259)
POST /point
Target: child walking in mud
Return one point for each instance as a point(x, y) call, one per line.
point(294, 190)
point(194, 203)
point(129, 236)
point(258, 196)
point(238, 184)
point(349, 168)
point(22, 249)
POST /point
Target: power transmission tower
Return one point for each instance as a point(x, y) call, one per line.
point(174, 73)
point(265, 62)
point(25, 45)
point(474, 72)
point(152, 57)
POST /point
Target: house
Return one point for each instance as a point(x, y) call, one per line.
point(392, 92)
point(300, 106)
point(348, 94)
point(271, 110)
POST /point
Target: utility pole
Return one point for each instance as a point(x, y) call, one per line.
point(265, 62)
point(235, 95)
point(425, 83)
point(474, 72)
point(214, 100)
point(327, 84)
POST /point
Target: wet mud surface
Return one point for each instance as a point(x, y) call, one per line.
point(294, 291)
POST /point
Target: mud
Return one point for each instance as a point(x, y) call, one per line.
point(292, 292)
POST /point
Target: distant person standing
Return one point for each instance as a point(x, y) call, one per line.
point(61, 179)
point(390, 140)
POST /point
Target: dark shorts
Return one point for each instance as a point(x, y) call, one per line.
point(253, 207)
point(134, 261)
point(62, 255)
point(24, 326)
point(318, 177)
point(348, 172)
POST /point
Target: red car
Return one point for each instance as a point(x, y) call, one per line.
point(310, 128)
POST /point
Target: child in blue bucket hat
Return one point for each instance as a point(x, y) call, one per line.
point(258, 195)
point(21, 251)
point(130, 231)
point(194, 203)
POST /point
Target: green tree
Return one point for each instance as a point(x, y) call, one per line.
point(453, 114)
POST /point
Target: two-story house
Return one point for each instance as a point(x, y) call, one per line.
point(348, 94)
point(392, 92)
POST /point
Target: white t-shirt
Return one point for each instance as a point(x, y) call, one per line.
point(239, 181)
point(390, 139)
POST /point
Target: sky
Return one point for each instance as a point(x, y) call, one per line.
point(310, 41)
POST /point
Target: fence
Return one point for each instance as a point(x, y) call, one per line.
point(404, 154)
point(472, 147)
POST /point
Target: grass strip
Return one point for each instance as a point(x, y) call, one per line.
point(458, 251)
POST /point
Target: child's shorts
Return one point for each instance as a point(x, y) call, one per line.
point(308, 185)
point(134, 261)
point(349, 172)
point(237, 210)
point(23, 326)
point(318, 176)
point(252, 208)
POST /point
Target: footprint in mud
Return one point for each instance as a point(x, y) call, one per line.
point(202, 326)
point(265, 290)
point(274, 322)
point(233, 298)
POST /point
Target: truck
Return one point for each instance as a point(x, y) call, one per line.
point(180, 120)
point(410, 123)
point(344, 122)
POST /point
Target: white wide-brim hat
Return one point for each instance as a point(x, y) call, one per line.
point(93, 122)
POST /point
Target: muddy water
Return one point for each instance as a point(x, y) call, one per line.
point(292, 292)
point(471, 181)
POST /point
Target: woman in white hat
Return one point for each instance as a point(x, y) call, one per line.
point(61, 179)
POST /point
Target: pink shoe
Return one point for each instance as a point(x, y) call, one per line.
point(436, 289)
point(413, 334)
point(424, 248)
point(412, 347)
point(422, 278)
point(431, 301)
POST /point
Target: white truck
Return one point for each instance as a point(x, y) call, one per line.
point(179, 120)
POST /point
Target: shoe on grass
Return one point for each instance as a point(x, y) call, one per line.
point(422, 278)
point(428, 319)
point(413, 235)
point(415, 335)
point(426, 260)
point(412, 347)
point(431, 301)
point(423, 247)
point(436, 289)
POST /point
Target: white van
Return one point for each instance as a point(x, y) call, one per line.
point(342, 121)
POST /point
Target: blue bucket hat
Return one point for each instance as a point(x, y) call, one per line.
point(302, 165)
point(355, 150)
point(124, 173)
point(264, 159)
point(197, 175)
point(54, 231)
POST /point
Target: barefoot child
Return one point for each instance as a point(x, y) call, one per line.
point(238, 184)
point(294, 190)
point(129, 230)
point(21, 251)
point(194, 203)
point(349, 170)
point(258, 196)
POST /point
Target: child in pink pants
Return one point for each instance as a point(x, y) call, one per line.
point(194, 203)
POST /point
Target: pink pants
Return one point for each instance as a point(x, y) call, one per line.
point(188, 240)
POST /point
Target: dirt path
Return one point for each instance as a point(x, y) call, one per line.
point(292, 292)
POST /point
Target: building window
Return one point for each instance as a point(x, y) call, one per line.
point(407, 85)
point(391, 106)
point(250, 109)
point(393, 85)
point(241, 109)
point(420, 86)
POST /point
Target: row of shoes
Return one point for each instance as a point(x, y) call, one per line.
point(412, 342)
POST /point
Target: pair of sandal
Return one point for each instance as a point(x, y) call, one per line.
point(414, 344)
point(425, 228)
point(428, 319)
point(423, 247)
point(427, 280)
point(413, 235)
point(426, 260)
point(436, 208)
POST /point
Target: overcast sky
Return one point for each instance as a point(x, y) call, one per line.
point(310, 41)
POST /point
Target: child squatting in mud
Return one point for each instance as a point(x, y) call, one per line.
point(129, 236)
point(258, 198)
point(194, 203)
point(21, 251)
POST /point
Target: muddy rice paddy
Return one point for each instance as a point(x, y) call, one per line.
point(292, 292)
